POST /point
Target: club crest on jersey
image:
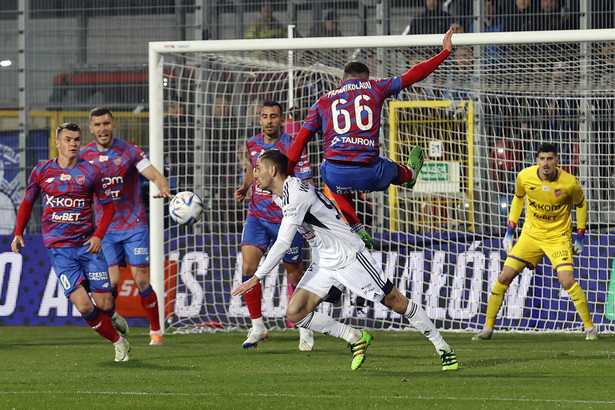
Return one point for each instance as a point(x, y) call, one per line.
point(65, 177)
point(80, 179)
point(103, 158)
point(117, 160)
point(558, 192)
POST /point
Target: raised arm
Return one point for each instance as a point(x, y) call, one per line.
point(422, 70)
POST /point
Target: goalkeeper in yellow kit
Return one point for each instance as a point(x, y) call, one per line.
point(550, 194)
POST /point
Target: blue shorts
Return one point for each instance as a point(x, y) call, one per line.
point(74, 265)
point(130, 246)
point(346, 178)
point(261, 233)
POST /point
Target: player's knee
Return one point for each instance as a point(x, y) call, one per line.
point(85, 310)
point(293, 315)
point(507, 276)
point(141, 280)
point(294, 277)
point(105, 304)
point(295, 312)
point(567, 281)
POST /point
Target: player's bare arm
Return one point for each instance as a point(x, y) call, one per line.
point(162, 183)
point(17, 244)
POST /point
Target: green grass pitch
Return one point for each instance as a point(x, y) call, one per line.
point(72, 367)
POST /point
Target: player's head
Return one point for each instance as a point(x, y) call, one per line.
point(271, 164)
point(102, 126)
point(547, 160)
point(271, 119)
point(355, 70)
point(68, 140)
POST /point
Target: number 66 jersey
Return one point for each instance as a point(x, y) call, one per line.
point(349, 117)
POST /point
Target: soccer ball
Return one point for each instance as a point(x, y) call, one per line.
point(186, 208)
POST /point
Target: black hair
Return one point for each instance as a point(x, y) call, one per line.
point(276, 158)
point(71, 126)
point(100, 111)
point(547, 147)
point(354, 68)
point(271, 103)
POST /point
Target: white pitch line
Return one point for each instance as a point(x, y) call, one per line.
point(315, 396)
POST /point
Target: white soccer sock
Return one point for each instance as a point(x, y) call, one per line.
point(421, 322)
point(324, 324)
point(258, 323)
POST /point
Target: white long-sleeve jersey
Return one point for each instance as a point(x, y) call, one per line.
point(318, 220)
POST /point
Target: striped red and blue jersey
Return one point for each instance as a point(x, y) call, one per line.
point(67, 200)
point(261, 202)
point(125, 162)
point(349, 117)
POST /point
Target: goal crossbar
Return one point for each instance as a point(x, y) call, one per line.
point(447, 113)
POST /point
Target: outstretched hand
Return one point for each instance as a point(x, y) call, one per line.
point(447, 43)
point(245, 286)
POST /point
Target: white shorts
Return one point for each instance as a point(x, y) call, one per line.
point(363, 277)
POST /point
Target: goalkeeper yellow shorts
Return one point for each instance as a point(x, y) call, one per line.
point(529, 251)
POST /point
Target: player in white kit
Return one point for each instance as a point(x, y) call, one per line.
point(342, 259)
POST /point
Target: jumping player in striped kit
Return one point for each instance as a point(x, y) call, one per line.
point(349, 117)
point(128, 236)
point(68, 184)
point(343, 259)
point(263, 221)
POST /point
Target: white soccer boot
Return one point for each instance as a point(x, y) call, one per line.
point(485, 334)
point(122, 350)
point(306, 340)
point(119, 323)
point(255, 335)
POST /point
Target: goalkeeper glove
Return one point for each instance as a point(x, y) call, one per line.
point(578, 244)
point(507, 242)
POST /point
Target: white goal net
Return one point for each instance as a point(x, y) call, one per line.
point(480, 117)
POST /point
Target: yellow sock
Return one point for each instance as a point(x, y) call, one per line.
point(495, 302)
point(580, 302)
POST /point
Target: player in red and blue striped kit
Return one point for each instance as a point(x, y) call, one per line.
point(263, 221)
point(349, 117)
point(128, 237)
point(68, 185)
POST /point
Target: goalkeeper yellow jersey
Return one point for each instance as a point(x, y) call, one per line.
point(548, 204)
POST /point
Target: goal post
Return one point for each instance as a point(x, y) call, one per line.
point(479, 116)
